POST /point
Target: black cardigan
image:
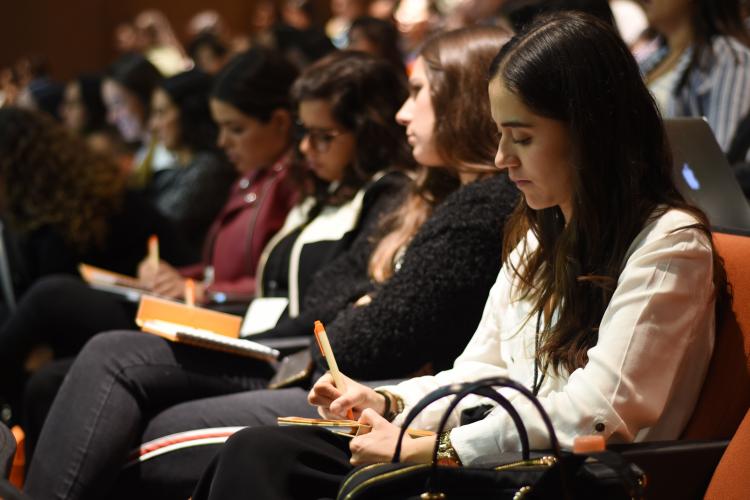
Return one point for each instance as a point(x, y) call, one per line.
point(338, 269)
point(428, 311)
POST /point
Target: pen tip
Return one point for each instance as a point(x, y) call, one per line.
point(319, 327)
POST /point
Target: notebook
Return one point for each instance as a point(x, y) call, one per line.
point(126, 287)
point(703, 175)
point(198, 326)
point(348, 428)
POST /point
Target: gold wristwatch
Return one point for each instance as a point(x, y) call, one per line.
point(446, 455)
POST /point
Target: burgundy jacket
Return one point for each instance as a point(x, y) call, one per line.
point(255, 210)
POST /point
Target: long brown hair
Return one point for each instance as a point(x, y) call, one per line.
point(465, 135)
point(622, 176)
point(48, 177)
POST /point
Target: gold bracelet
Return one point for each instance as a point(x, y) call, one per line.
point(446, 455)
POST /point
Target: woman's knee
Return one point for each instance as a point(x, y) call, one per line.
point(182, 417)
point(53, 287)
point(119, 348)
point(243, 445)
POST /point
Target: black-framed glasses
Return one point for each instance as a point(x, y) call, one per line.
point(320, 138)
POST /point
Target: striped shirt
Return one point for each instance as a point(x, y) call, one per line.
point(718, 88)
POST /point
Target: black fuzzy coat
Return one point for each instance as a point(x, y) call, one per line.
point(428, 311)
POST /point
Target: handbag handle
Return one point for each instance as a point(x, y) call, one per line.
point(482, 387)
point(460, 393)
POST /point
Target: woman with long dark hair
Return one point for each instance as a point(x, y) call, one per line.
point(126, 92)
point(255, 131)
point(610, 324)
point(194, 190)
point(82, 109)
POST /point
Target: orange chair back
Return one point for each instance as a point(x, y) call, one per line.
point(17, 470)
point(725, 397)
point(731, 480)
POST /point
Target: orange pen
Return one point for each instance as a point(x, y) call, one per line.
point(153, 250)
point(325, 350)
point(189, 292)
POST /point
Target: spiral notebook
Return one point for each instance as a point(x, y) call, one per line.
point(198, 326)
point(126, 287)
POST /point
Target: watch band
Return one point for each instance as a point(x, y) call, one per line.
point(394, 405)
point(446, 454)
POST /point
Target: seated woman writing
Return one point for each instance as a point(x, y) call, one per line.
point(604, 305)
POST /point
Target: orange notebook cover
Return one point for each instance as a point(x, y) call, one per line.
point(198, 326)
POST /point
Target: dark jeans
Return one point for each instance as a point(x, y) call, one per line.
point(118, 383)
point(277, 463)
point(61, 311)
point(38, 397)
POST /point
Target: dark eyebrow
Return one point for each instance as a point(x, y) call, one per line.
point(516, 124)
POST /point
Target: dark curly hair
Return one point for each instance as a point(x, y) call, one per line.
point(49, 177)
point(364, 93)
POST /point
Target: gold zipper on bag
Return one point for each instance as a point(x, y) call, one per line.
point(355, 474)
point(372, 480)
point(547, 461)
point(521, 494)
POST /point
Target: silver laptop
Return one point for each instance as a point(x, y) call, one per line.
point(703, 175)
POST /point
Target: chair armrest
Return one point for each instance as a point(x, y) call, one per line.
point(10, 492)
point(7, 450)
point(675, 469)
point(236, 308)
point(286, 345)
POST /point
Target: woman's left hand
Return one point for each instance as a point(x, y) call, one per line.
point(379, 444)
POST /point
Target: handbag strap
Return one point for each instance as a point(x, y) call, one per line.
point(456, 389)
point(482, 387)
point(490, 393)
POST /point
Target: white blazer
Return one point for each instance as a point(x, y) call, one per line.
point(643, 376)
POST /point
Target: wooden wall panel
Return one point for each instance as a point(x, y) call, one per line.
point(77, 35)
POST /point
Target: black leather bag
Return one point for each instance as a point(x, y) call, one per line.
point(553, 474)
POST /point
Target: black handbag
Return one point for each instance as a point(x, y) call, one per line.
point(553, 474)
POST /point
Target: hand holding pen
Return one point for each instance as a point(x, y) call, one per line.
point(336, 395)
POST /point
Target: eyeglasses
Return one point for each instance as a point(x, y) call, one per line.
point(320, 139)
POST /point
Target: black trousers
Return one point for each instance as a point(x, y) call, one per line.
point(277, 463)
point(40, 393)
